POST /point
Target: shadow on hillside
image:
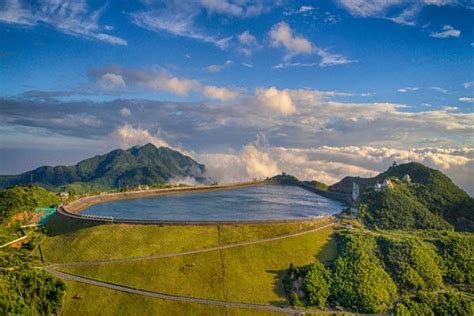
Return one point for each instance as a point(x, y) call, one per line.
point(61, 225)
point(328, 252)
point(278, 276)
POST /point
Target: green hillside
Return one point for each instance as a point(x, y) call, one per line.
point(397, 208)
point(24, 198)
point(137, 165)
point(431, 188)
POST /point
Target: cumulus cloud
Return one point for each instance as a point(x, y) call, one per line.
point(330, 164)
point(110, 81)
point(282, 35)
point(248, 43)
point(276, 100)
point(223, 94)
point(115, 77)
point(448, 31)
point(69, 17)
point(319, 128)
point(128, 136)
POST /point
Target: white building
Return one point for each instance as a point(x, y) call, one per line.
point(406, 178)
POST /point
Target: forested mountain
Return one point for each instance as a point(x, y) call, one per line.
point(134, 166)
point(430, 188)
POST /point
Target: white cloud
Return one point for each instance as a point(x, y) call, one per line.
point(247, 65)
point(179, 17)
point(70, 17)
point(125, 112)
point(306, 8)
point(328, 59)
point(448, 31)
point(218, 68)
point(466, 99)
point(128, 136)
point(468, 85)
point(281, 35)
point(238, 8)
point(179, 23)
point(398, 11)
point(277, 100)
point(330, 164)
point(166, 82)
point(110, 81)
point(223, 94)
point(247, 38)
point(408, 89)
point(439, 89)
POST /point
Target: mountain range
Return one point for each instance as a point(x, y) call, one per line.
point(143, 165)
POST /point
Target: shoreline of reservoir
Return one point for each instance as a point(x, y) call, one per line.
point(74, 209)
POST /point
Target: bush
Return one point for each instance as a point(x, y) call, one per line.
point(317, 284)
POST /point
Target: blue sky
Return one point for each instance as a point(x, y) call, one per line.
point(240, 78)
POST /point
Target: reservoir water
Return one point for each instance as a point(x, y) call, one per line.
point(262, 202)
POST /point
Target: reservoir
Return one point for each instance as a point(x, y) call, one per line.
point(254, 203)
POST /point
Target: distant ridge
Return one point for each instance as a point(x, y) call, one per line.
point(119, 168)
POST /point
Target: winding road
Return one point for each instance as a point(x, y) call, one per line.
point(188, 299)
point(180, 298)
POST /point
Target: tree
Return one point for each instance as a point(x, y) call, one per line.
point(317, 284)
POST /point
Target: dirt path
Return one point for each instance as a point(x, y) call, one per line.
point(190, 252)
point(180, 298)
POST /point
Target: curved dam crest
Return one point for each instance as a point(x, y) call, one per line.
point(267, 202)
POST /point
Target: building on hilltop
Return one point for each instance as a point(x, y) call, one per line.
point(385, 184)
point(406, 178)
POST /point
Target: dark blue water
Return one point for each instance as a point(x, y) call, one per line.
point(263, 202)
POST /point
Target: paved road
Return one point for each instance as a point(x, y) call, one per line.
point(190, 252)
point(180, 298)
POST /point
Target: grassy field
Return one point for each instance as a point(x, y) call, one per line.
point(71, 240)
point(92, 300)
point(251, 273)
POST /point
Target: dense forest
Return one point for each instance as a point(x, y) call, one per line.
point(23, 289)
point(402, 255)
